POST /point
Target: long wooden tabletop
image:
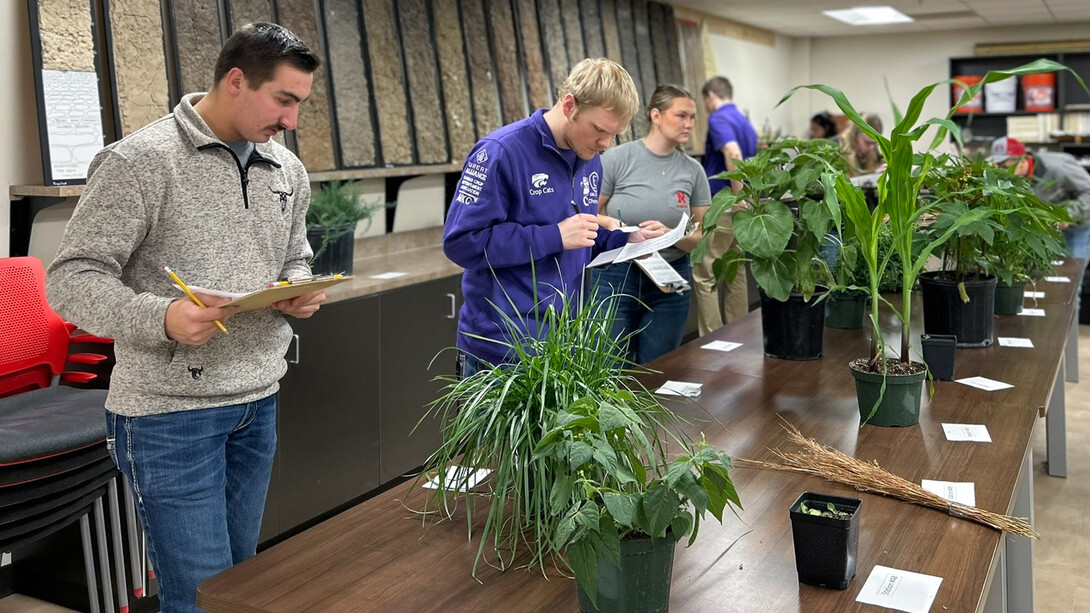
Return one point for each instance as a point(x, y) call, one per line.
point(380, 556)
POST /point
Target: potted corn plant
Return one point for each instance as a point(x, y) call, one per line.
point(889, 387)
point(588, 468)
point(781, 219)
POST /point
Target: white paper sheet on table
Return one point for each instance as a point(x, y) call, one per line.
point(984, 383)
point(954, 491)
point(1057, 262)
point(462, 477)
point(1037, 295)
point(899, 589)
point(1058, 279)
point(680, 388)
point(389, 275)
point(721, 346)
point(974, 433)
point(1033, 312)
point(1013, 341)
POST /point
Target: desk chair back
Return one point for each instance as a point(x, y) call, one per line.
point(33, 338)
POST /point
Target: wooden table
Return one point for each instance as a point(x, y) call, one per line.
point(379, 557)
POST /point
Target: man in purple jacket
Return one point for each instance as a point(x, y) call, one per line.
point(523, 221)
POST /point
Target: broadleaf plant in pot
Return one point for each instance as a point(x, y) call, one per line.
point(889, 388)
point(781, 218)
point(331, 221)
point(585, 461)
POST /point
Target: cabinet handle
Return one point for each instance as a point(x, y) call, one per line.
point(453, 311)
point(296, 360)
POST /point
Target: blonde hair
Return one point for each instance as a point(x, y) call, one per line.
point(602, 83)
point(859, 162)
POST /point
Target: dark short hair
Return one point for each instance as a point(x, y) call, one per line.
point(826, 122)
point(720, 86)
point(258, 49)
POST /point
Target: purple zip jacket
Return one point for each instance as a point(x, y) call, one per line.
point(516, 186)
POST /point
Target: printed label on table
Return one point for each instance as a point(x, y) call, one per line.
point(954, 491)
point(1038, 295)
point(1058, 279)
point(721, 346)
point(899, 589)
point(1057, 262)
point(389, 275)
point(985, 383)
point(1033, 312)
point(680, 388)
point(462, 478)
point(975, 433)
point(1012, 341)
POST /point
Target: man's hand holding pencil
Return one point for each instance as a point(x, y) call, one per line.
point(190, 324)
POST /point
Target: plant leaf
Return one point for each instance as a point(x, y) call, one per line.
point(584, 564)
point(776, 276)
point(660, 506)
point(623, 507)
point(766, 231)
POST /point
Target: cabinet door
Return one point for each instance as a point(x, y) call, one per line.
point(418, 323)
point(329, 416)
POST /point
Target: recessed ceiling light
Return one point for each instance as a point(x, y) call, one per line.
point(869, 15)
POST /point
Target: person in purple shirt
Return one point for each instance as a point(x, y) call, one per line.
point(523, 222)
point(730, 137)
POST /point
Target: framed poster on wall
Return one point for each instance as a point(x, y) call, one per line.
point(64, 52)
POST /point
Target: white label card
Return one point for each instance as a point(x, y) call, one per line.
point(680, 388)
point(1012, 341)
point(1033, 312)
point(954, 491)
point(976, 433)
point(985, 383)
point(1038, 295)
point(389, 275)
point(899, 589)
point(1058, 279)
point(1057, 262)
point(462, 478)
point(721, 346)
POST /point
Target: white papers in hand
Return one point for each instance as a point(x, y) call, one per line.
point(662, 273)
point(632, 251)
point(899, 589)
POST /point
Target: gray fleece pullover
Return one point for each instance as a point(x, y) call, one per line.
point(172, 193)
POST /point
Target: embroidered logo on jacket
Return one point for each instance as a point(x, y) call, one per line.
point(539, 180)
point(195, 371)
point(283, 197)
point(590, 189)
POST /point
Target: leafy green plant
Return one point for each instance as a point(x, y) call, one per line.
point(899, 205)
point(337, 209)
point(580, 451)
point(830, 510)
point(781, 244)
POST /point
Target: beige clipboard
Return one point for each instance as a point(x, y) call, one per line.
point(264, 297)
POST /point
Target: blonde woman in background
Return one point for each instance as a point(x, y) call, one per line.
point(861, 151)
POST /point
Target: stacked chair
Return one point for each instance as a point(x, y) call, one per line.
point(55, 469)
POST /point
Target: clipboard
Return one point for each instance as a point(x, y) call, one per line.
point(266, 296)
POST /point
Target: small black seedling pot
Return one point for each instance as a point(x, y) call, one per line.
point(939, 351)
point(825, 547)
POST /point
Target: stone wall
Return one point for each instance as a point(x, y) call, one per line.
point(552, 30)
point(532, 58)
point(644, 50)
point(197, 41)
point(610, 34)
point(249, 11)
point(573, 32)
point(65, 30)
point(388, 81)
point(139, 61)
point(314, 135)
point(590, 13)
point(453, 77)
point(506, 48)
point(351, 88)
point(421, 67)
point(482, 80)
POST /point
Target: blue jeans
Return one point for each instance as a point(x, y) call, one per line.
point(467, 366)
point(199, 478)
point(661, 317)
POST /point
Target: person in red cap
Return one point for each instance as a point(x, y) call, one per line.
point(1058, 178)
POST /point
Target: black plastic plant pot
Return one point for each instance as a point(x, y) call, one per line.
point(900, 403)
point(825, 547)
point(944, 312)
point(844, 311)
point(641, 584)
point(793, 330)
point(333, 256)
point(1009, 298)
point(939, 351)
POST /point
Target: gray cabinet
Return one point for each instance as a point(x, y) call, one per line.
point(418, 323)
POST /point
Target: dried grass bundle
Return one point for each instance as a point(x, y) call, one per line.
point(830, 464)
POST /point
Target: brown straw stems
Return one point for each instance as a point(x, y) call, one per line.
point(830, 464)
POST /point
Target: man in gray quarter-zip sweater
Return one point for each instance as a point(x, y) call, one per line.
point(191, 414)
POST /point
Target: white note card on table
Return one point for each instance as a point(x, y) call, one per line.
point(1033, 312)
point(899, 589)
point(1057, 262)
point(721, 346)
point(389, 275)
point(976, 433)
point(954, 491)
point(1013, 341)
point(985, 383)
point(462, 478)
point(1058, 279)
point(680, 388)
point(1039, 295)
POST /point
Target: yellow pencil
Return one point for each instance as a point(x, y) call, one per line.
point(192, 296)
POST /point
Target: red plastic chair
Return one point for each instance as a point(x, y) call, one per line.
point(34, 343)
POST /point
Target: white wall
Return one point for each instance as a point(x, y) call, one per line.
point(20, 157)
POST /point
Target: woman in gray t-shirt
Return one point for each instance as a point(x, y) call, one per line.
point(652, 179)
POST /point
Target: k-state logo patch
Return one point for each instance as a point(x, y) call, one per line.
point(539, 180)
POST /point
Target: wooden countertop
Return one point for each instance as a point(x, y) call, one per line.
point(381, 556)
